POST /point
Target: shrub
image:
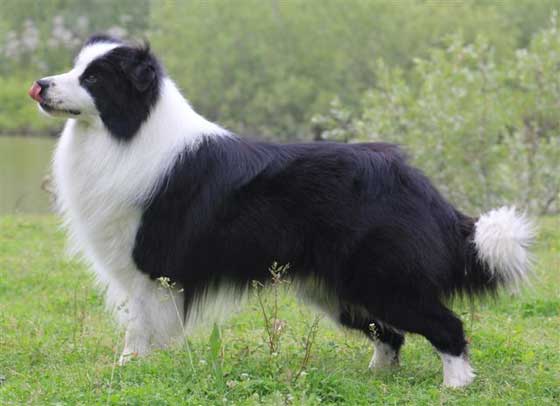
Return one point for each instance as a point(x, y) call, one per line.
point(485, 131)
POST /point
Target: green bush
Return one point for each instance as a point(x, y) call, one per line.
point(485, 130)
point(263, 68)
point(479, 117)
point(266, 67)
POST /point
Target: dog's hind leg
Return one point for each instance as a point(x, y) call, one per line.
point(387, 341)
point(442, 328)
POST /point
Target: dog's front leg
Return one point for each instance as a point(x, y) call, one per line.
point(136, 343)
point(152, 315)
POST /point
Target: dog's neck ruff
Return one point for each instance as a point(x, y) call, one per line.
point(103, 183)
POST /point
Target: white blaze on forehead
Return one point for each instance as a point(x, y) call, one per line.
point(92, 52)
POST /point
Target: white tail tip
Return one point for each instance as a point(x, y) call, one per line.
point(502, 238)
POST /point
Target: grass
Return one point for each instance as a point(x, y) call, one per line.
point(58, 346)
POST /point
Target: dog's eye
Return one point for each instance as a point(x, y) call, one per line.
point(90, 79)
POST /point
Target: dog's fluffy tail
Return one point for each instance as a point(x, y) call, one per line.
point(501, 239)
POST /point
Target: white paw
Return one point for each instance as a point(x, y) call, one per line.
point(384, 357)
point(135, 345)
point(457, 372)
point(126, 356)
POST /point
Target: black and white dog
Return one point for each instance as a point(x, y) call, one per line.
point(150, 189)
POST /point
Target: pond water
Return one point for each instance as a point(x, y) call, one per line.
point(24, 163)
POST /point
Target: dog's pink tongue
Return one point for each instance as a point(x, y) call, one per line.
point(34, 91)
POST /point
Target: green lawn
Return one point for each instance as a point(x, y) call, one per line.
point(58, 346)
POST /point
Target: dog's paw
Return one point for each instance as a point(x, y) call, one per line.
point(384, 357)
point(126, 356)
point(460, 380)
point(457, 372)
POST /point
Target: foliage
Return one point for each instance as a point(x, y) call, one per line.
point(261, 67)
point(486, 131)
point(273, 325)
point(265, 67)
point(42, 36)
point(59, 346)
point(215, 355)
point(469, 88)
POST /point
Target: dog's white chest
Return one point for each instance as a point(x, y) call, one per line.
point(98, 192)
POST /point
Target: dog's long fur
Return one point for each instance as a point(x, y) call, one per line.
point(150, 189)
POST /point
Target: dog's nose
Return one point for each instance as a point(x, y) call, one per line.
point(43, 83)
point(37, 89)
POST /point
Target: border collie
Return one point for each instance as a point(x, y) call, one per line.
point(150, 189)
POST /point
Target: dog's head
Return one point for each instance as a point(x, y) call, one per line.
point(114, 81)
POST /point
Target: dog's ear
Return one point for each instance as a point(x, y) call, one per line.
point(142, 75)
point(140, 69)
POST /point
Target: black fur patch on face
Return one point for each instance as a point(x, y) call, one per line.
point(124, 84)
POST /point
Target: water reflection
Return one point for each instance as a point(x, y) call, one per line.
point(24, 162)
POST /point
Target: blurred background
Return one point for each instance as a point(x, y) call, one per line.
point(471, 89)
